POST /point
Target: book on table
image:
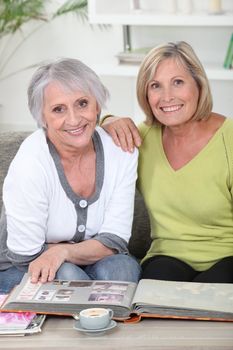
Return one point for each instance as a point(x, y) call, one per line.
point(19, 323)
point(129, 301)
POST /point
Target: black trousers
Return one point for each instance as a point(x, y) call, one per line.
point(168, 268)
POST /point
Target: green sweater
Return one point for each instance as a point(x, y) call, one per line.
point(191, 209)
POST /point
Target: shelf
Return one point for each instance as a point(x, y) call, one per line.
point(121, 70)
point(216, 73)
point(160, 19)
point(120, 13)
point(213, 72)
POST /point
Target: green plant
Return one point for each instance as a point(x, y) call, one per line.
point(14, 14)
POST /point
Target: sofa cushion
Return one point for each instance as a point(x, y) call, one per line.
point(140, 239)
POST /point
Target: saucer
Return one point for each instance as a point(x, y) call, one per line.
point(79, 328)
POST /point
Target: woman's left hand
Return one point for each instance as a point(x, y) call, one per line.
point(123, 132)
point(44, 267)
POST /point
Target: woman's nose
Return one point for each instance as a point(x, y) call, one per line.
point(167, 95)
point(73, 116)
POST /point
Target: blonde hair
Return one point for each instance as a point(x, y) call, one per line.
point(184, 53)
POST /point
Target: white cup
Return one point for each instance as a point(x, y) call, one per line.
point(95, 318)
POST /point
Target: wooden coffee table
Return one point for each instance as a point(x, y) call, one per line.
point(58, 333)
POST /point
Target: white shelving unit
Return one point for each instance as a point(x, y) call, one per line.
point(209, 35)
point(126, 70)
point(160, 19)
point(119, 13)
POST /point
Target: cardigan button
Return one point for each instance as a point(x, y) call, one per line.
point(81, 228)
point(83, 203)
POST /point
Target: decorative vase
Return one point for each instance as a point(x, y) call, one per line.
point(186, 7)
point(215, 6)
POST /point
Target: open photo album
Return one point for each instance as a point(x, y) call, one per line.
point(129, 301)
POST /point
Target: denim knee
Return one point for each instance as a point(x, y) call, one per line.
point(71, 272)
point(119, 267)
point(10, 278)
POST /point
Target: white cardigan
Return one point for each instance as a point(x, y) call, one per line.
point(42, 208)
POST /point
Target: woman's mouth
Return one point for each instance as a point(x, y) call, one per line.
point(169, 109)
point(77, 131)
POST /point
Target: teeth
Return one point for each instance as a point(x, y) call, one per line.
point(171, 108)
point(75, 130)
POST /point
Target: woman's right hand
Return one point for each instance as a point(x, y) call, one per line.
point(123, 132)
point(45, 266)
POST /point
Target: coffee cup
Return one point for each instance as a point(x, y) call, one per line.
point(95, 318)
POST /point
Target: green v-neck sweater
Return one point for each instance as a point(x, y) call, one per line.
point(190, 209)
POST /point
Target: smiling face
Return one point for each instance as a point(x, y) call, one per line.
point(172, 93)
point(70, 117)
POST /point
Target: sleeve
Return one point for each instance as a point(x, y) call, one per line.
point(231, 166)
point(25, 197)
point(113, 242)
point(116, 229)
point(228, 145)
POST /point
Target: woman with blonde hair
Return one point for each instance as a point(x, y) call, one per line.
point(185, 170)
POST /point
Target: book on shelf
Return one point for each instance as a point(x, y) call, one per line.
point(129, 301)
point(134, 56)
point(19, 323)
point(228, 61)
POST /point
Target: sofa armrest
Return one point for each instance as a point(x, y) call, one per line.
point(9, 144)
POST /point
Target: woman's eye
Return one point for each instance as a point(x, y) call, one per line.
point(83, 103)
point(58, 109)
point(178, 82)
point(154, 85)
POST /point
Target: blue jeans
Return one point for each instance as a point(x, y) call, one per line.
point(118, 267)
point(9, 278)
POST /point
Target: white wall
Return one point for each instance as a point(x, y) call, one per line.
point(69, 36)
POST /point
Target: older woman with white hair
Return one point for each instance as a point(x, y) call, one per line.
point(69, 192)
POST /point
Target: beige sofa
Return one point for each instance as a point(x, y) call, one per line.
point(140, 240)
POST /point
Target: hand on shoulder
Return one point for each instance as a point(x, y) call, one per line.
point(123, 131)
